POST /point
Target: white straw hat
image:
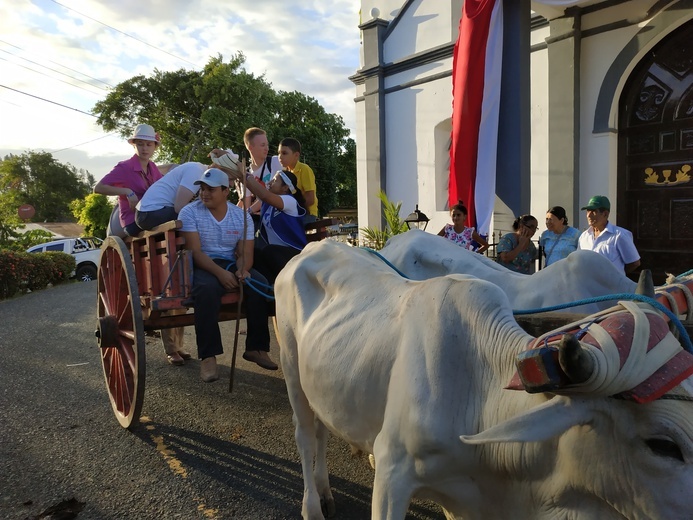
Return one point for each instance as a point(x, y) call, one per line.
point(145, 133)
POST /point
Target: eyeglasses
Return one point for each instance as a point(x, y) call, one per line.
point(533, 226)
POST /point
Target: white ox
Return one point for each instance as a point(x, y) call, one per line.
point(583, 274)
point(402, 369)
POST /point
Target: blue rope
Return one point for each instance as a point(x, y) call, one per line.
point(374, 252)
point(255, 285)
point(685, 274)
point(685, 339)
point(251, 283)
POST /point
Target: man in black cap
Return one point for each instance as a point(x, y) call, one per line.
point(605, 238)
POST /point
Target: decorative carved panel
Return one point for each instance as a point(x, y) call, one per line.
point(650, 103)
point(682, 219)
point(668, 176)
point(649, 219)
point(667, 141)
point(686, 139)
point(677, 59)
point(638, 144)
point(684, 110)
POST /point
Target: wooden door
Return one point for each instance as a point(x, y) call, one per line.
point(655, 167)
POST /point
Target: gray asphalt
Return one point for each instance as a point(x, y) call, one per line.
point(200, 452)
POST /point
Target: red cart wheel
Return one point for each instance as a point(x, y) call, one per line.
point(120, 332)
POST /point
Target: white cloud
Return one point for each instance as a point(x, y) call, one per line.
point(312, 47)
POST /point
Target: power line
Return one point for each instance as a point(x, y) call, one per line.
point(59, 65)
point(124, 33)
point(86, 142)
point(48, 101)
point(43, 74)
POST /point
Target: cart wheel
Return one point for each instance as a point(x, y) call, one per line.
point(120, 332)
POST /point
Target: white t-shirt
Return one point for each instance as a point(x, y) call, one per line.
point(263, 174)
point(163, 192)
point(217, 239)
point(615, 243)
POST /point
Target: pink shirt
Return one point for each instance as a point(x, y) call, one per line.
point(129, 174)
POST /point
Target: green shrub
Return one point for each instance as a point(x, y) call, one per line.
point(20, 272)
point(63, 265)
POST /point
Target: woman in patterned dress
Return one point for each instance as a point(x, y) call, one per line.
point(461, 235)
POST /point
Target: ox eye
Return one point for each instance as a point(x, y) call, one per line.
point(665, 448)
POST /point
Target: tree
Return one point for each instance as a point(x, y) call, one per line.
point(346, 176)
point(94, 213)
point(195, 111)
point(36, 178)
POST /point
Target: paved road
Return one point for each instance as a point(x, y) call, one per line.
point(200, 452)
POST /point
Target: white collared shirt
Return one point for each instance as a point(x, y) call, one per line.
point(614, 242)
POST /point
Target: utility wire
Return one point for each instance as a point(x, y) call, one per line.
point(124, 33)
point(51, 77)
point(54, 70)
point(48, 101)
point(86, 142)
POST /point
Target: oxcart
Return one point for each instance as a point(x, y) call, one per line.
point(145, 284)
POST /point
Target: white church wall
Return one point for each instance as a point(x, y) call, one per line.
point(598, 152)
point(424, 25)
point(417, 138)
point(539, 150)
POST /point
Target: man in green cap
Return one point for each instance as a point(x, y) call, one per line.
point(605, 238)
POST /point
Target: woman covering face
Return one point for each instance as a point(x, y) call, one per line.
point(516, 251)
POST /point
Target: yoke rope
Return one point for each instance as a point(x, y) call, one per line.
point(685, 339)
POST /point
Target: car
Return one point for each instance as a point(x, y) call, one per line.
point(86, 250)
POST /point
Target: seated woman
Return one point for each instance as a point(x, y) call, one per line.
point(282, 235)
point(516, 250)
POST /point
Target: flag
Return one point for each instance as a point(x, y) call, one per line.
point(476, 85)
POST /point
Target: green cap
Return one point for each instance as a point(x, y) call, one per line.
point(598, 202)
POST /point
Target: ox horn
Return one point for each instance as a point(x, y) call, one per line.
point(577, 364)
point(645, 284)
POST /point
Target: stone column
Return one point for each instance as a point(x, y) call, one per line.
point(564, 112)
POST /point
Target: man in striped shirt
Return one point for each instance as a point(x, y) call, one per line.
point(222, 248)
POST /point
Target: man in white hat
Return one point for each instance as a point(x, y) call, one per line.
point(213, 230)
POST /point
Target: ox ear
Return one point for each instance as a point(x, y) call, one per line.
point(539, 424)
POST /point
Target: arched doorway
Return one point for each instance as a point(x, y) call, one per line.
point(655, 151)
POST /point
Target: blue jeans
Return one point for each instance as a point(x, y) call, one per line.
point(150, 219)
point(207, 293)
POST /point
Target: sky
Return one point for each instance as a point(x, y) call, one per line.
point(58, 58)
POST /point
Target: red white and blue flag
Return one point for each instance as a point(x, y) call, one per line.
point(476, 86)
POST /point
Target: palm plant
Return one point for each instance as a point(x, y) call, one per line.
point(394, 225)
